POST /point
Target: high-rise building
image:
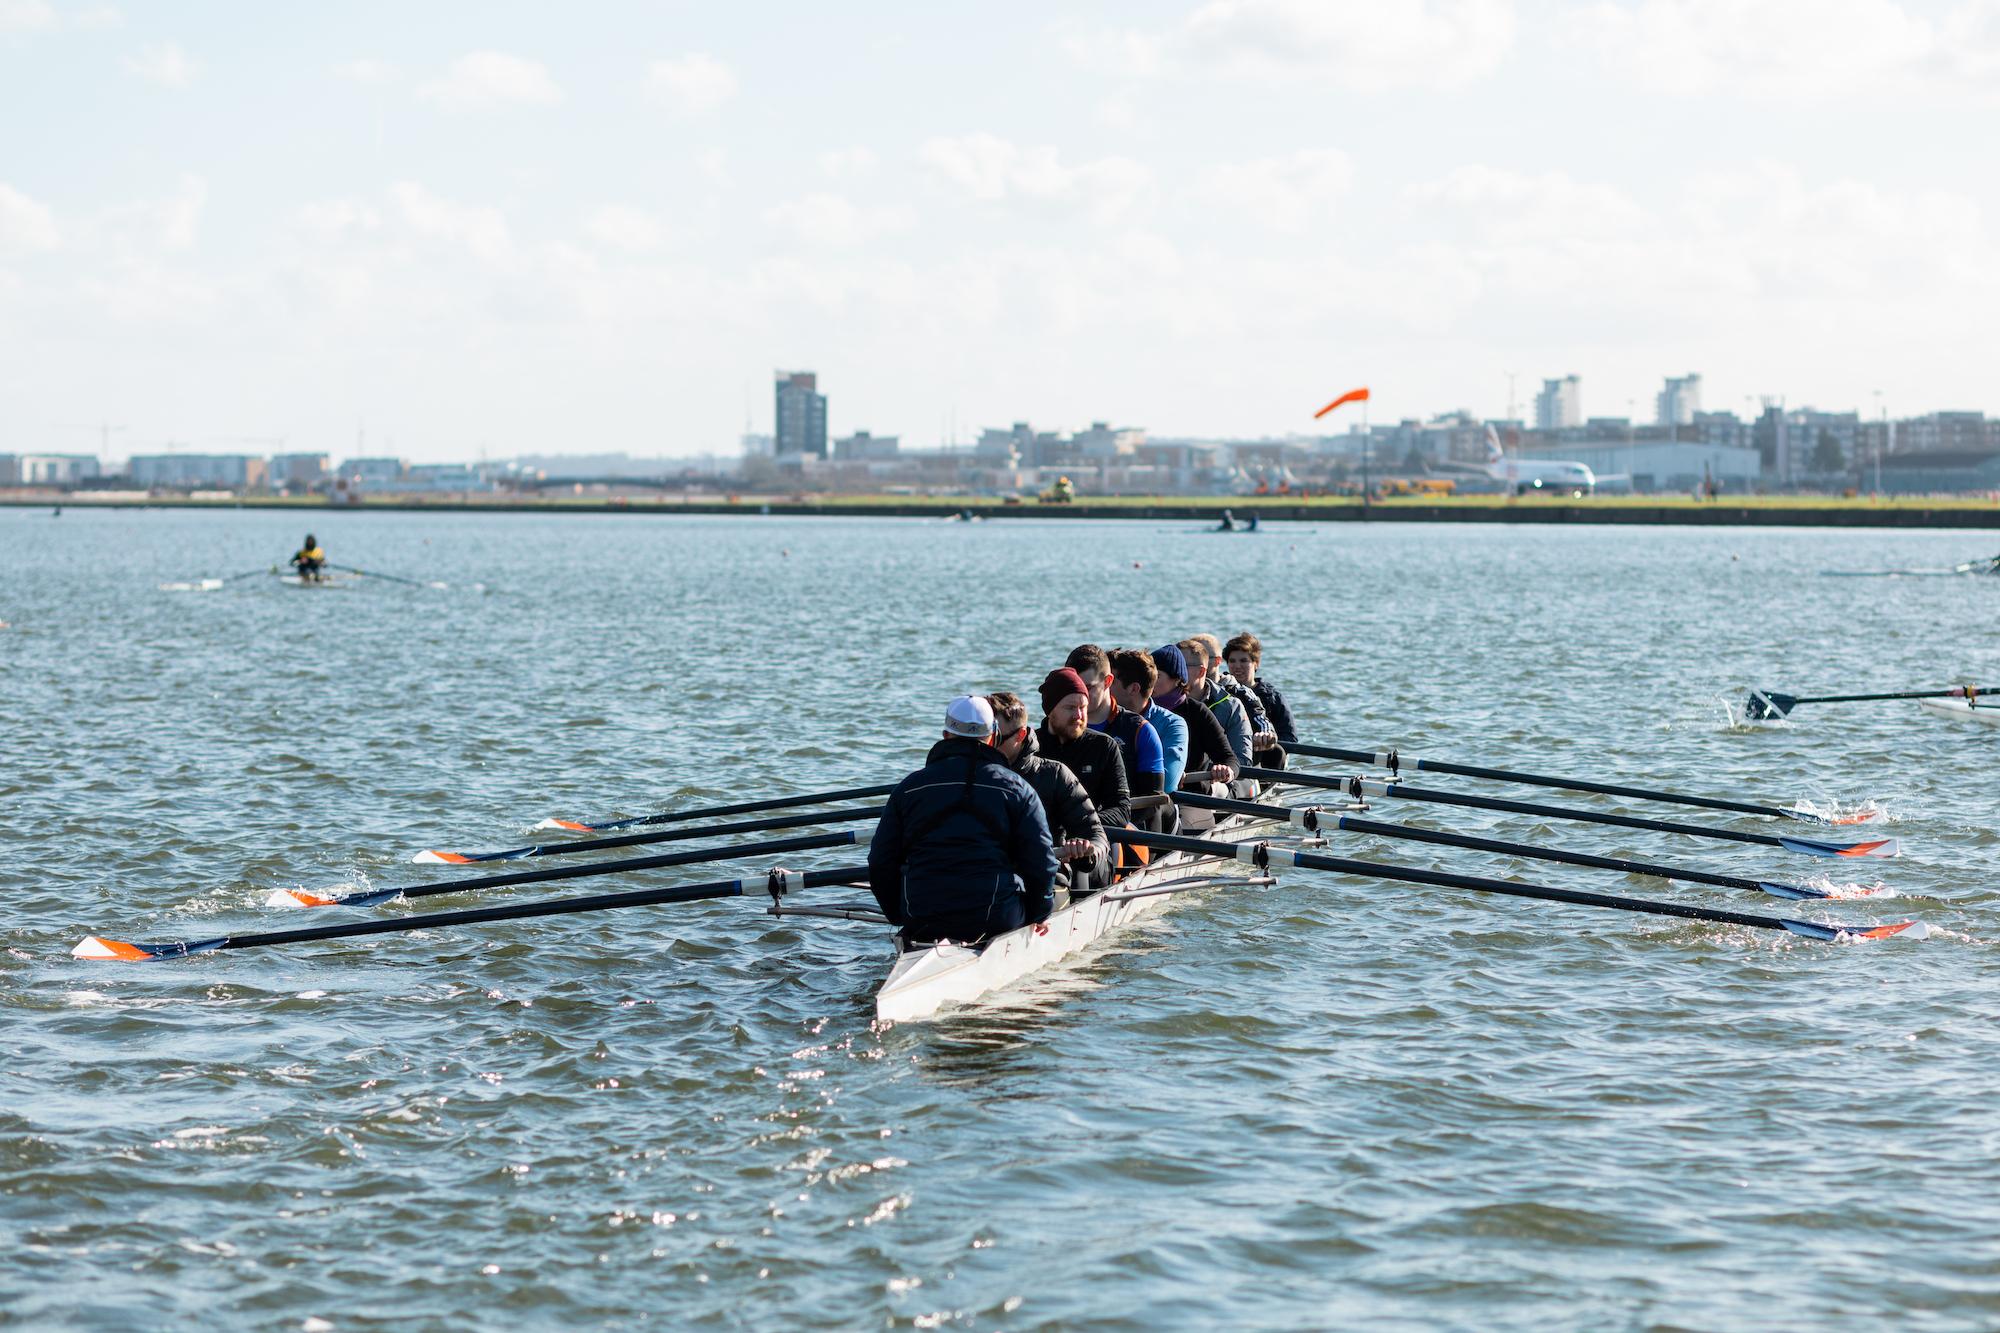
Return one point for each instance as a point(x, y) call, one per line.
point(1560, 404)
point(1678, 401)
point(801, 414)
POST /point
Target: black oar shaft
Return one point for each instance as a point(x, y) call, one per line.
point(1392, 760)
point(1376, 828)
point(705, 831)
point(1397, 791)
point(751, 807)
point(1872, 698)
point(371, 574)
point(678, 893)
point(773, 847)
point(1444, 879)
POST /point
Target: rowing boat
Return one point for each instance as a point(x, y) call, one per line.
point(926, 979)
point(324, 581)
point(1960, 710)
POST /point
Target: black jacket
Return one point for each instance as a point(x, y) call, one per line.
point(1277, 710)
point(1098, 761)
point(1208, 743)
point(1253, 703)
point(1069, 810)
point(959, 833)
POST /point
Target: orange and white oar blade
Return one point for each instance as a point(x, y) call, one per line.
point(298, 898)
point(1914, 930)
point(574, 826)
point(441, 858)
point(114, 950)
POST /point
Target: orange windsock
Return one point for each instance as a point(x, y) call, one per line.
point(1351, 396)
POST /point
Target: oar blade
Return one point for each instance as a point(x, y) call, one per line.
point(1777, 890)
point(1766, 704)
point(299, 898)
point(1874, 814)
point(98, 948)
point(1822, 930)
point(1883, 847)
point(468, 858)
point(578, 826)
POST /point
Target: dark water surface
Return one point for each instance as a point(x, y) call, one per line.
point(1329, 1103)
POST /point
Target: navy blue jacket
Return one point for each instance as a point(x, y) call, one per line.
point(959, 834)
point(1277, 710)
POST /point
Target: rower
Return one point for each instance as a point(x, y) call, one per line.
point(1228, 523)
point(1244, 654)
point(1209, 758)
point(1203, 689)
point(1251, 525)
point(1132, 677)
point(1080, 843)
point(1095, 758)
point(1253, 707)
point(1142, 750)
point(310, 560)
point(962, 851)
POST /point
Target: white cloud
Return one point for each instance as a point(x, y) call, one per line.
point(990, 168)
point(1360, 43)
point(846, 163)
point(481, 232)
point(152, 224)
point(332, 219)
point(1283, 193)
point(26, 15)
point(835, 221)
point(693, 84)
point(485, 80)
point(25, 224)
point(363, 71)
point(627, 229)
point(167, 65)
point(1789, 49)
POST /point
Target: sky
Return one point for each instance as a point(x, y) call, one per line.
point(455, 230)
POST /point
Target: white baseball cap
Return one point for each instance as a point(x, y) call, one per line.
point(970, 716)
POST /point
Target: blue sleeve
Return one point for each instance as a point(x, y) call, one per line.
point(1174, 742)
point(1152, 758)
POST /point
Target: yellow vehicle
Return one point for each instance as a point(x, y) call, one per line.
point(1061, 493)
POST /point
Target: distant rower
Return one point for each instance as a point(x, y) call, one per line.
point(310, 560)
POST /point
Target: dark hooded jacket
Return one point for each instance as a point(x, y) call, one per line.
point(1098, 761)
point(1070, 813)
point(958, 834)
point(1207, 742)
point(1277, 710)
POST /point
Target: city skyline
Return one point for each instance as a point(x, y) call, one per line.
point(459, 232)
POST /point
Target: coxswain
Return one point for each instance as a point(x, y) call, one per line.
point(1081, 847)
point(1244, 655)
point(1144, 755)
point(1095, 758)
point(310, 560)
point(1209, 758)
point(1203, 689)
point(962, 851)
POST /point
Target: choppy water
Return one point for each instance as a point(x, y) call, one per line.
point(1331, 1103)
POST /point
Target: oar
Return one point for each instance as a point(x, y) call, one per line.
point(95, 946)
point(374, 897)
point(1263, 856)
point(1764, 704)
point(1364, 787)
point(1314, 820)
point(251, 573)
point(718, 811)
point(391, 578)
point(1395, 762)
point(637, 839)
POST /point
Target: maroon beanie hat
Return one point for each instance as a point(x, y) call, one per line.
point(1059, 685)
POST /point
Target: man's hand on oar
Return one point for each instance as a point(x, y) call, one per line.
point(1396, 762)
point(639, 839)
point(375, 897)
point(1763, 705)
point(717, 811)
point(1313, 820)
point(1362, 788)
point(1263, 855)
point(777, 883)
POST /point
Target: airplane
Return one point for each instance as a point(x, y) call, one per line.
point(1536, 474)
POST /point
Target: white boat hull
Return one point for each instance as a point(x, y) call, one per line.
point(924, 981)
point(1961, 711)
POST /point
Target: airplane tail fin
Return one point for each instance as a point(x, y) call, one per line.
point(1494, 453)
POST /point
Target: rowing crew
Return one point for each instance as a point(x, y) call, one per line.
point(1004, 824)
